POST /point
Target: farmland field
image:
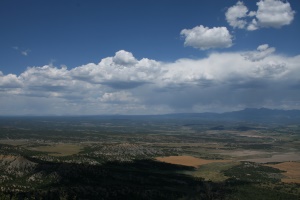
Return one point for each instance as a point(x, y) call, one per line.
point(291, 171)
point(58, 149)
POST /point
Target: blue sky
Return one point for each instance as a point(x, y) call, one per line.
point(148, 57)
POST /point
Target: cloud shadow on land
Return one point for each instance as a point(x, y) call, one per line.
point(140, 179)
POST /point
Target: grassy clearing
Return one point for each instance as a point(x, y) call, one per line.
point(59, 149)
point(213, 171)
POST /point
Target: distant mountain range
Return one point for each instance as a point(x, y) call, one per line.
point(263, 115)
point(260, 115)
point(248, 114)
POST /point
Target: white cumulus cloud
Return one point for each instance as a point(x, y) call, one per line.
point(122, 71)
point(218, 82)
point(236, 14)
point(270, 13)
point(9, 81)
point(203, 38)
point(124, 58)
point(274, 13)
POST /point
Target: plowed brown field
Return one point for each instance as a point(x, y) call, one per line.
point(292, 171)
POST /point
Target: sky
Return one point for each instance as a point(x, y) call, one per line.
point(77, 57)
